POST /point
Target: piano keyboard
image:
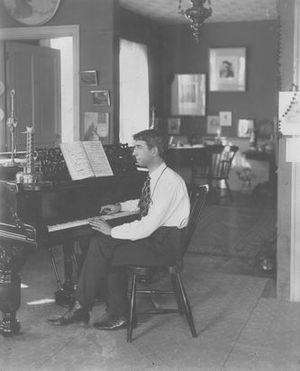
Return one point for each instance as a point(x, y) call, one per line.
point(82, 222)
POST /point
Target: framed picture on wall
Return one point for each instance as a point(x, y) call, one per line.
point(174, 125)
point(101, 97)
point(225, 118)
point(227, 69)
point(245, 128)
point(89, 78)
point(188, 95)
point(213, 125)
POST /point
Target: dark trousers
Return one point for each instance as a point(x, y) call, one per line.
point(104, 269)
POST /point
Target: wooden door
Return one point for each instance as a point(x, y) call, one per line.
point(34, 73)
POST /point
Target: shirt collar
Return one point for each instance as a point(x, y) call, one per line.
point(156, 173)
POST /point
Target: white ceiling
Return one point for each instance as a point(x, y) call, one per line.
point(166, 11)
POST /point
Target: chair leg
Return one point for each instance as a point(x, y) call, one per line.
point(177, 293)
point(54, 265)
point(187, 307)
point(132, 308)
point(229, 190)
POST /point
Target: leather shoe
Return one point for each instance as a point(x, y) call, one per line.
point(71, 316)
point(110, 322)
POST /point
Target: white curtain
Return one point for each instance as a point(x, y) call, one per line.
point(134, 90)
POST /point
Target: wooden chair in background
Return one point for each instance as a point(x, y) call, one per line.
point(213, 166)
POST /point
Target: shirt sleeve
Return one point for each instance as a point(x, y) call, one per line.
point(162, 201)
point(130, 205)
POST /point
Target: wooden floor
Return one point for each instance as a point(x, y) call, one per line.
point(238, 320)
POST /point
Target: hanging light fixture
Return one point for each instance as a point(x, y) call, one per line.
point(196, 15)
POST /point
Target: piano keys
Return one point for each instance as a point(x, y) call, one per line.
point(82, 222)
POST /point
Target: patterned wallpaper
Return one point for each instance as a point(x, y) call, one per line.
point(166, 11)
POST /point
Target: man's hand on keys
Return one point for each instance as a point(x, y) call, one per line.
point(100, 225)
point(110, 209)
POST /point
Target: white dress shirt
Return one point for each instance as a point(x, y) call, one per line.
point(170, 206)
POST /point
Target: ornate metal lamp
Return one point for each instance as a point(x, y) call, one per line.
point(196, 15)
point(12, 124)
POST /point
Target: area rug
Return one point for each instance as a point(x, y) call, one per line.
point(234, 232)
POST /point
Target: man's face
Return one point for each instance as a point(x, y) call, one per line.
point(144, 156)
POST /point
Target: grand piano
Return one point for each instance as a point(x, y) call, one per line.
point(54, 211)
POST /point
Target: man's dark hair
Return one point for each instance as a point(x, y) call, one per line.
point(152, 137)
point(229, 64)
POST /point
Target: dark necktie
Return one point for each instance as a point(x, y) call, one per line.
point(145, 199)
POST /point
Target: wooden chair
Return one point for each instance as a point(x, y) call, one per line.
point(198, 196)
point(214, 165)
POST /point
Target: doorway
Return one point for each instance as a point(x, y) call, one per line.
point(46, 33)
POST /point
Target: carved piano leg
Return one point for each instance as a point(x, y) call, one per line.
point(12, 258)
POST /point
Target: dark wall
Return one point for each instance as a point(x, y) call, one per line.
point(183, 55)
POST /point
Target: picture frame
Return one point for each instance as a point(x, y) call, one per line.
point(101, 97)
point(245, 128)
point(174, 124)
point(96, 125)
point(188, 95)
point(225, 118)
point(227, 69)
point(89, 78)
point(213, 125)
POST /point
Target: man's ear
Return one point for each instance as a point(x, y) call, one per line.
point(154, 151)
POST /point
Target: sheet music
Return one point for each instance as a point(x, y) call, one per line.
point(76, 160)
point(97, 158)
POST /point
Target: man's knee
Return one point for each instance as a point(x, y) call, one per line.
point(101, 244)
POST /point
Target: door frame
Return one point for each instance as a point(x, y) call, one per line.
point(50, 32)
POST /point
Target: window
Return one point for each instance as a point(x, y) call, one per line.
point(134, 90)
point(64, 44)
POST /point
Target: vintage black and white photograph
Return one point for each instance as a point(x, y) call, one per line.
point(225, 118)
point(101, 97)
point(245, 128)
point(89, 78)
point(188, 95)
point(227, 69)
point(213, 125)
point(174, 124)
point(149, 185)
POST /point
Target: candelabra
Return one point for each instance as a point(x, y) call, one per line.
point(28, 175)
point(12, 124)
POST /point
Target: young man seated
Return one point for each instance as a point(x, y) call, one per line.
point(150, 241)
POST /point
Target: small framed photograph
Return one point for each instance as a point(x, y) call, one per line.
point(174, 125)
point(225, 118)
point(213, 125)
point(89, 78)
point(245, 128)
point(96, 125)
point(101, 97)
point(227, 69)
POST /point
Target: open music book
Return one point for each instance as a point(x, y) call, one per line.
point(86, 159)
